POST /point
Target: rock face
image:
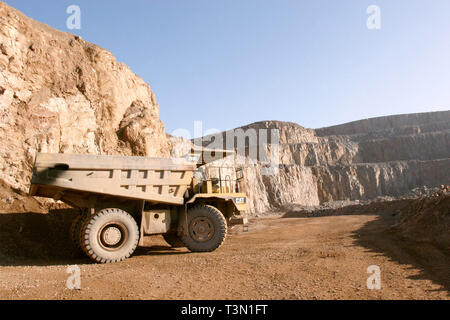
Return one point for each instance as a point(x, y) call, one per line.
point(59, 93)
point(362, 160)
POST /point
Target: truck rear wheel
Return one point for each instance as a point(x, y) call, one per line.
point(174, 240)
point(207, 229)
point(75, 229)
point(110, 235)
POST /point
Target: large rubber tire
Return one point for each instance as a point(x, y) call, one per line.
point(207, 229)
point(174, 240)
point(75, 230)
point(110, 235)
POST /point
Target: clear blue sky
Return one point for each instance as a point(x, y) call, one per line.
point(234, 62)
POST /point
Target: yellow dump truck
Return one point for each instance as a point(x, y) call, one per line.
point(122, 199)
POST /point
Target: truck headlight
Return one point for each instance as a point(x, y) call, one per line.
point(239, 200)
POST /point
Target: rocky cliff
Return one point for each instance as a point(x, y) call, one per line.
point(59, 93)
point(362, 160)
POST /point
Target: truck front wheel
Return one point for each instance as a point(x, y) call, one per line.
point(110, 235)
point(207, 229)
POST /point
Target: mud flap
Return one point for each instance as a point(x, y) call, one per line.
point(141, 235)
point(141, 225)
point(183, 222)
point(240, 220)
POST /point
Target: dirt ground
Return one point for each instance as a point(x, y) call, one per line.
point(279, 258)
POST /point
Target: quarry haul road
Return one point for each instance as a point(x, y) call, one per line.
point(279, 258)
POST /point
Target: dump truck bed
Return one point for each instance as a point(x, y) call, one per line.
point(155, 180)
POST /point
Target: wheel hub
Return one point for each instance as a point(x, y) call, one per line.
point(201, 229)
point(111, 236)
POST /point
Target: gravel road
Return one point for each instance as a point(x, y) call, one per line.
point(279, 258)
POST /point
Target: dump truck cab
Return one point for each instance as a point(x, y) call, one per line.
point(219, 183)
point(122, 199)
point(217, 187)
point(224, 188)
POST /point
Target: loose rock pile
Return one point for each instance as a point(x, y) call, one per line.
point(428, 218)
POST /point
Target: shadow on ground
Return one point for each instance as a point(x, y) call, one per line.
point(384, 237)
point(158, 251)
point(36, 239)
point(430, 259)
